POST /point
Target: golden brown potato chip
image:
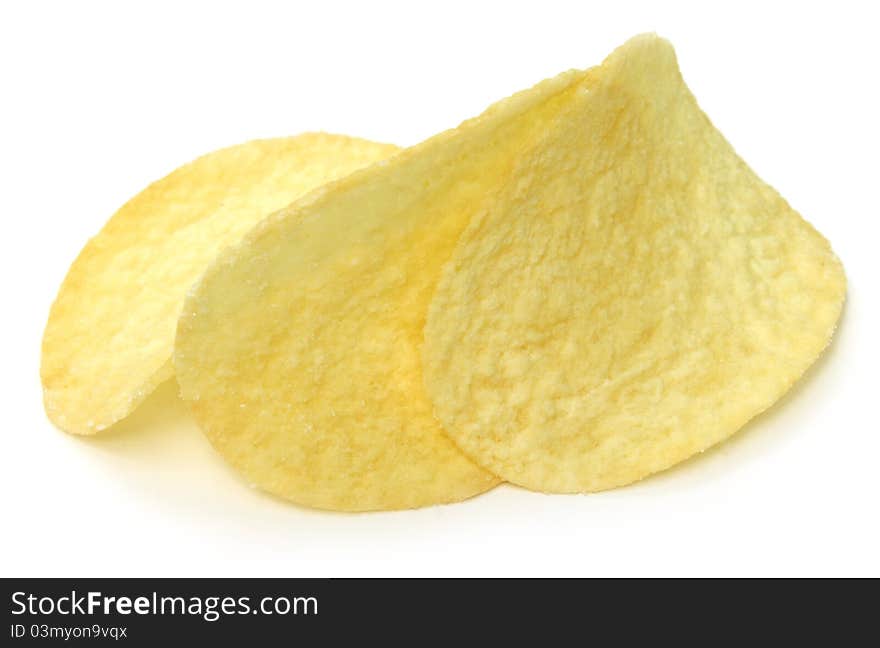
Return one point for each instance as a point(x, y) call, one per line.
point(633, 294)
point(111, 329)
point(300, 347)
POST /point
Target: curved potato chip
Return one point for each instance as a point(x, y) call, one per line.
point(634, 295)
point(110, 334)
point(300, 347)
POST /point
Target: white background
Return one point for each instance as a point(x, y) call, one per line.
point(98, 99)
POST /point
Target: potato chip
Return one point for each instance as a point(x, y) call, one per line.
point(300, 347)
point(633, 294)
point(111, 330)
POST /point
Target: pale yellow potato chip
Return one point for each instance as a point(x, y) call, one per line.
point(300, 348)
point(110, 334)
point(633, 295)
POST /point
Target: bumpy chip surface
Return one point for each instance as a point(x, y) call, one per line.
point(110, 334)
point(300, 347)
point(632, 296)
